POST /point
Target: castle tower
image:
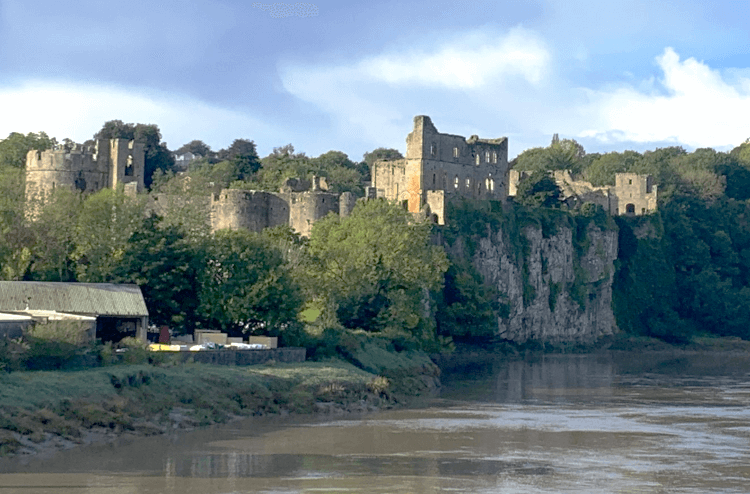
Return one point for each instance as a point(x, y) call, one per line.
point(85, 169)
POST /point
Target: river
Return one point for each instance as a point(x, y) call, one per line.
point(613, 422)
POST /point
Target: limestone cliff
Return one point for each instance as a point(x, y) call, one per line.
point(557, 290)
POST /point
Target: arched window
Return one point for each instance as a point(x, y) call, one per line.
point(468, 183)
point(478, 158)
point(492, 185)
point(455, 183)
point(494, 156)
point(486, 156)
point(455, 151)
point(433, 149)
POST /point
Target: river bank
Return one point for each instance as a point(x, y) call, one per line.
point(42, 412)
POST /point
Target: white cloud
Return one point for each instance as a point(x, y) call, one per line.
point(78, 111)
point(692, 104)
point(371, 101)
point(468, 63)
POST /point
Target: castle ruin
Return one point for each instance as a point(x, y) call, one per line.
point(106, 164)
point(298, 204)
point(632, 194)
point(439, 167)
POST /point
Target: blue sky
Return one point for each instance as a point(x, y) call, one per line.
point(351, 76)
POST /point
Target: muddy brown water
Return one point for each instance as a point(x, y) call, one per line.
point(614, 422)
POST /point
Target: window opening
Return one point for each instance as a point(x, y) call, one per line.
point(455, 151)
point(455, 182)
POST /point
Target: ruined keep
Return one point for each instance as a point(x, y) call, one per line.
point(438, 167)
point(106, 164)
point(632, 194)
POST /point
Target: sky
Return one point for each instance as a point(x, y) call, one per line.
point(350, 76)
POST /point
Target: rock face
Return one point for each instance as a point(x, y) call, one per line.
point(555, 291)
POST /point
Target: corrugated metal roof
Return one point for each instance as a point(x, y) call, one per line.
point(104, 299)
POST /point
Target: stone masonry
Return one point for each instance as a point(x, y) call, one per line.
point(106, 164)
point(438, 167)
point(632, 194)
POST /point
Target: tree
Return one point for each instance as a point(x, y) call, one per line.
point(196, 147)
point(342, 173)
point(164, 264)
point(15, 147)
point(538, 190)
point(53, 231)
point(245, 286)
point(602, 170)
point(243, 155)
point(375, 270)
point(281, 164)
point(469, 308)
point(105, 224)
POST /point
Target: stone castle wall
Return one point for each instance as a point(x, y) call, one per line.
point(87, 169)
point(473, 168)
point(633, 194)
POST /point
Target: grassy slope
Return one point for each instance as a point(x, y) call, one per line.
point(146, 399)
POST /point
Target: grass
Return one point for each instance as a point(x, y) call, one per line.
point(142, 398)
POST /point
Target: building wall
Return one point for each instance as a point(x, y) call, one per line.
point(256, 210)
point(236, 208)
point(309, 207)
point(473, 168)
point(633, 194)
point(631, 189)
point(86, 169)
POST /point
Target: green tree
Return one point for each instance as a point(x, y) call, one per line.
point(343, 174)
point(54, 232)
point(15, 147)
point(538, 190)
point(469, 308)
point(245, 286)
point(196, 147)
point(165, 264)
point(375, 270)
point(106, 222)
point(602, 169)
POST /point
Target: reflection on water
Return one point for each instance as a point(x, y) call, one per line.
point(571, 423)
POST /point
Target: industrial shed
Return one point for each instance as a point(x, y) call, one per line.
point(119, 310)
